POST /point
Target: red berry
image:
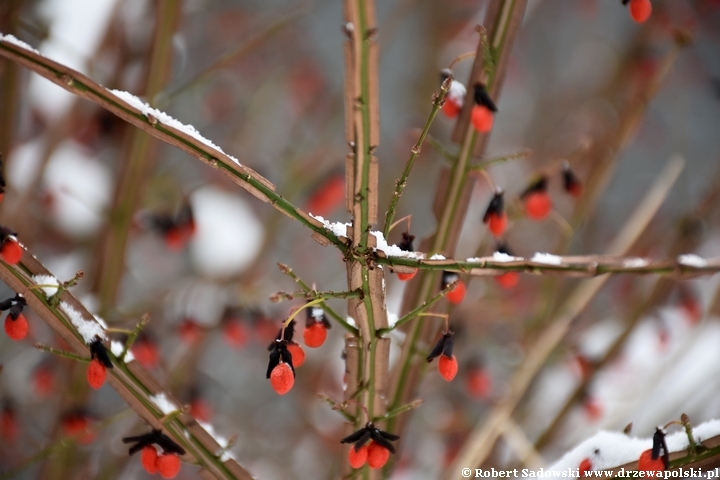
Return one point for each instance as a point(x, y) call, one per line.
point(479, 383)
point(648, 464)
point(538, 205)
point(16, 329)
point(448, 367)
point(43, 381)
point(168, 465)
point(235, 334)
point(282, 378)
point(8, 424)
point(96, 374)
point(404, 277)
point(585, 466)
point(146, 353)
point(148, 458)
point(508, 280)
point(330, 195)
point(377, 455)
point(640, 10)
point(189, 331)
point(10, 251)
point(200, 409)
point(457, 294)
point(298, 354)
point(497, 224)
point(315, 335)
point(593, 409)
point(482, 118)
point(450, 108)
point(358, 458)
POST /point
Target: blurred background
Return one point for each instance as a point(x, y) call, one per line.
point(156, 231)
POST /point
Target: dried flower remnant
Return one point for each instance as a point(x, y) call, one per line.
point(316, 327)
point(536, 200)
point(495, 216)
point(406, 245)
point(482, 115)
point(455, 97)
point(571, 183)
point(376, 453)
point(447, 365)
point(10, 249)
point(176, 228)
point(166, 462)
point(457, 294)
point(16, 325)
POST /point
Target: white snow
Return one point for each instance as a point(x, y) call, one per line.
point(47, 280)
point(224, 443)
point(166, 119)
point(88, 329)
point(504, 257)
point(117, 348)
point(102, 322)
point(163, 403)
point(635, 263)
point(228, 234)
point(392, 319)
point(546, 258)
point(437, 256)
point(393, 250)
point(317, 313)
point(17, 42)
point(692, 260)
point(457, 93)
point(351, 321)
point(615, 448)
point(339, 229)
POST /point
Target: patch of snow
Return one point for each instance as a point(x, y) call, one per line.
point(457, 93)
point(504, 257)
point(351, 321)
point(17, 42)
point(692, 260)
point(317, 313)
point(546, 258)
point(392, 319)
point(47, 280)
point(228, 235)
point(88, 329)
point(393, 250)
point(166, 119)
point(117, 348)
point(222, 441)
point(437, 256)
point(635, 263)
point(163, 403)
point(339, 229)
point(102, 322)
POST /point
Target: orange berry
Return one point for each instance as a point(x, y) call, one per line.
point(146, 353)
point(497, 224)
point(450, 108)
point(478, 383)
point(358, 458)
point(315, 335)
point(235, 334)
point(593, 409)
point(168, 465)
point(482, 118)
point(377, 455)
point(96, 374)
point(9, 429)
point(148, 458)
point(43, 381)
point(448, 367)
point(329, 196)
point(648, 464)
point(404, 277)
point(297, 353)
point(585, 466)
point(508, 280)
point(190, 332)
point(16, 329)
point(200, 409)
point(457, 294)
point(640, 10)
point(10, 251)
point(538, 205)
point(282, 378)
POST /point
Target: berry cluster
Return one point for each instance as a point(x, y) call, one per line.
point(165, 461)
point(376, 453)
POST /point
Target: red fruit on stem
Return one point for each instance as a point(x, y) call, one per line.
point(235, 334)
point(8, 424)
point(168, 465)
point(497, 224)
point(457, 294)
point(298, 354)
point(451, 108)
point(377, 455)
point(482, 118)
point(448, 367)
point(640, 10)
point(16, 329)
point(537, 205)
point(404, 277)
point(189, 331)
point(593, 409)
point(146, 353)
point(358, 458)
point(282, 378)
point(585, 466)
point(648, 464)
point(508, 280)
point(200, 409)
point(96, 374)
point(478, 383)
point(148, 458)
point(328, 197)
point(43, 381)
point(315, 335)
point(10, 251)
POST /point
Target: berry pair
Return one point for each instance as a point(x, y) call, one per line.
point(165, 462)
point(376, 453)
